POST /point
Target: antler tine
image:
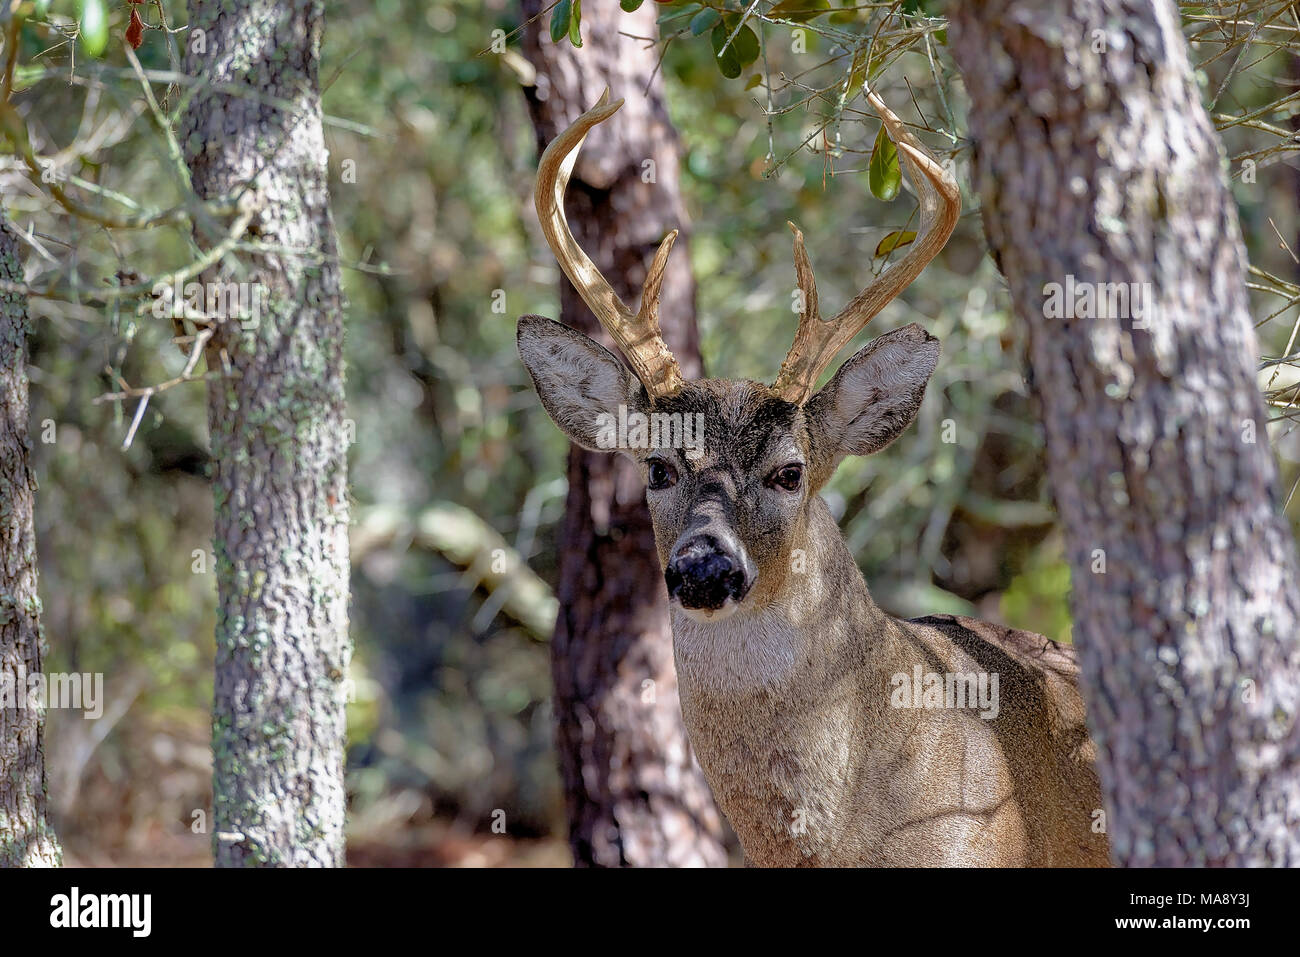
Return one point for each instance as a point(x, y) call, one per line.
point(637, 334)
point(816, 343)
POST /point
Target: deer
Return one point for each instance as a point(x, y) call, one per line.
point(831, 733)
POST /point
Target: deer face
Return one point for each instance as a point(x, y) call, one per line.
point(730, 467)
point(731, 485)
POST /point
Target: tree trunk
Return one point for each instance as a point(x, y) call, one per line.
point(1095, 159)
point(278, 444)
point(635, 795)
point(26, 838)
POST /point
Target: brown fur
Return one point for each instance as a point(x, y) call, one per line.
point(812, 765)
point(789, 698)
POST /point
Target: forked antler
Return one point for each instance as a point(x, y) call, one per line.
point(637, 334)
point(816, 343)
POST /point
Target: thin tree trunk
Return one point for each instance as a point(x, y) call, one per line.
point(26, 838)
point(1094, 158)
point(635, 796)
point(278, 444)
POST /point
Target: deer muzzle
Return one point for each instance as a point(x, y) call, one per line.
point(706, 572)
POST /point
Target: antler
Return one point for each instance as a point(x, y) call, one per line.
point(816, 343)
point(637, 334)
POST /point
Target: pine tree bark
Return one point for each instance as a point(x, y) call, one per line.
point(278, 445)
point(1094, 158)
point(26, 837)
point(635, 795)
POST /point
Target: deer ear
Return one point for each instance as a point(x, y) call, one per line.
point(876, 394)
point(580, 382)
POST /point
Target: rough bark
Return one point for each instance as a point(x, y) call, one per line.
point(1094, 157)
point(278, 445)
point(635, 795)
point(26, 838)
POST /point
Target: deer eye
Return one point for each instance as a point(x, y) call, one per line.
point(662, 475)
point(787, 477)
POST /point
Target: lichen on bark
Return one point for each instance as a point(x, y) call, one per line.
point(1097, 163)
point(278, 445)
point(26, 837)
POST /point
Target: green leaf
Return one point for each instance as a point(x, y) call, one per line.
point(884, 175)
point(94, 27)
point(799, 11)
point(746, 46)
point(575, 35)
point(13, 127)
point(703, 20)
point(560, 18)
point(865, 72)
point(631, 6)
point(728, 62)
point(674, 14)
point(754, 81)
point(899, 237)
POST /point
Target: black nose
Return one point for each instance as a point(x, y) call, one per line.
point(704, 574)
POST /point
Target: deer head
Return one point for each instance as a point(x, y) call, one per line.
point(732, 468)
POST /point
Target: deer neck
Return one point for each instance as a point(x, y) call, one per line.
point(821, 612)
point(784, 704)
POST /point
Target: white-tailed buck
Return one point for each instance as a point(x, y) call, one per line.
point(830, 732)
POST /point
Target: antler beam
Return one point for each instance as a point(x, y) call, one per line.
point(816, 343)
point(636, 334)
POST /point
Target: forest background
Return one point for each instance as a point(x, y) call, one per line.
point(431, 160)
